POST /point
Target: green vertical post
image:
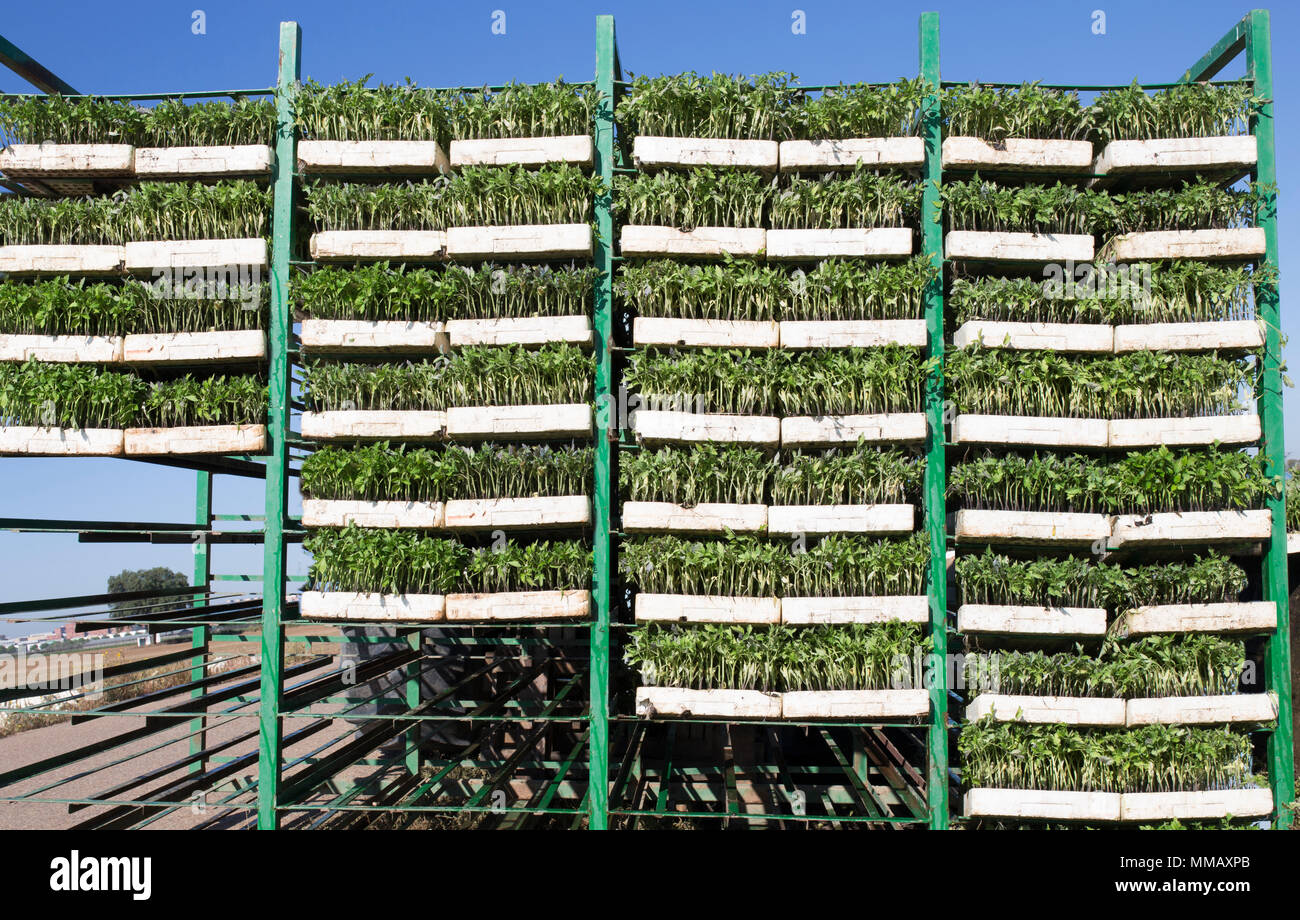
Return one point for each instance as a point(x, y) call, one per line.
point(606, 428)
point(200, 636)
point(935, 459)
point(1277, 657)
point(415, 639)
point(277, 462)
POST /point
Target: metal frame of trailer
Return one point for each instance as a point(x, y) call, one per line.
point(581, 756)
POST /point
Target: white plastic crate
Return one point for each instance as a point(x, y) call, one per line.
point(540, 241)
point(193, 162)
point(707, 517)
point(62, 349)
point(695, 608)
point(982, 246)
point(847, 153)
point(576, 149)
point(411, 245)
point(375, 425)
point(704, 333)
point(649, 152)
point(850, 243)
point(832, 430)
point(841, 611)
point(378, 514)
point(1023, 620)
point(640, 240)
point(194, 347)
point(197, 439)
point(1235, 244)
point(379, 608)
point(376, 336)
point(826, 519)
point(853, 333)
point(656, 702)
point(493, 423)
point(1017, 154)
point(518, 606)
point(381, 157)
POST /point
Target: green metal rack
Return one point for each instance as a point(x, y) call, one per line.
point(791, 773)
point(1251, 37)
point(598, 765)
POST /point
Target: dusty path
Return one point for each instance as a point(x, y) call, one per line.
point(93, 776)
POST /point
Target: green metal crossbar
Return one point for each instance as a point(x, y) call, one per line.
point(31, 69)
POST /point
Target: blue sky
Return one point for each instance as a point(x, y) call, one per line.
point(150, 47)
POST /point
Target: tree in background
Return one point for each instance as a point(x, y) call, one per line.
point(155, 579)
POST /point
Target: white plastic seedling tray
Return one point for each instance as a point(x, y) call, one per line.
point(1017, 620)
point(641, 241)
point(375, 425)
point(380, 608)
point(518, 606)
point(378, 514)
point(1017, 154)
point(650, 152)
point(847, 153)
point(409, 245)
point(375, 336)
point(197, 439)
point(1243, 243)
point(848, 243)
point(709, 517)
point(398, 157)
point(692, 608)
point(576, 149)
point(833, 430)
point(704, 333)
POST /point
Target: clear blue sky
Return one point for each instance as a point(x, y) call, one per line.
point(150, 47)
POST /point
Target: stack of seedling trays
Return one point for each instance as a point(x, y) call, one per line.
point(382, 184)
point(449, 398)
point(133, 306)
point(771, 477)
point(1103, 485)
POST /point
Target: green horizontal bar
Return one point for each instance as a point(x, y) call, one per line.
point(104, 526)
point(86, 600)
point(1088, 87)
point(524, 809)
point(766, 816)
point(152, 803)
point(774, 723)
